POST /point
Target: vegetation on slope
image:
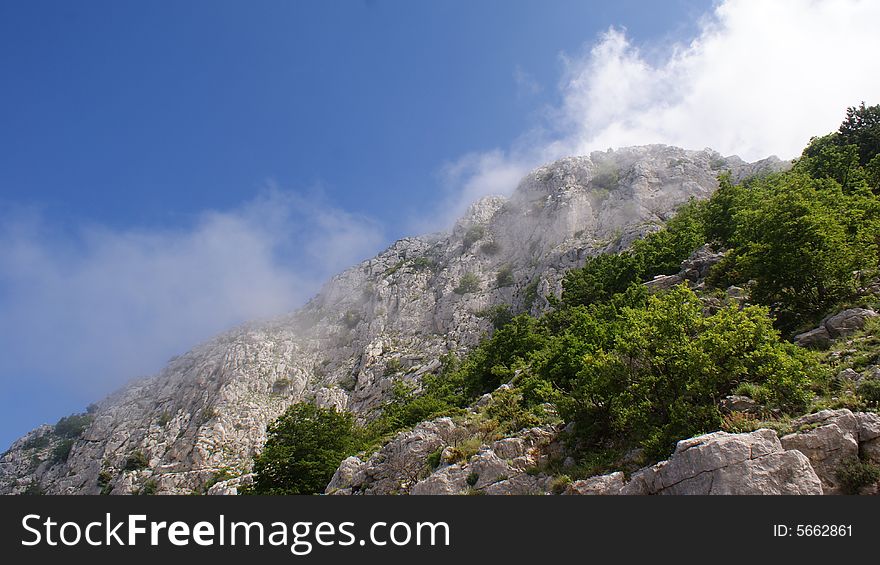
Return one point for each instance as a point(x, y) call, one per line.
point(637, 371)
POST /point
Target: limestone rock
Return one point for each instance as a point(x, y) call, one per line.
point(722, 463)
point(601, 485)
point(831, 443)
point(231, 486)
point(848, 321)
point(663, 282)
point(818, 338)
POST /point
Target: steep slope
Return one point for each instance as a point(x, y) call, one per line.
point(390, 317)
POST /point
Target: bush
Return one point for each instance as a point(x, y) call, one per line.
point(149, 488)
point(392, 367)
point(351, 319)
point(855, 475)
point(500, 315)
point(469, 283)
point(305, 445)
point(504, 277)
point(136, 461)
point(657, 379)
point(472, 479)
point(473, 235)
point(62, 450)
point(73, 426)
point(869, 390)
point(491, 248)
point(434, 458)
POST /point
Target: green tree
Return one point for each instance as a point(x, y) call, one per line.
point(304, 447)
point(862, 128)
point(802, 239)
point(669, 365)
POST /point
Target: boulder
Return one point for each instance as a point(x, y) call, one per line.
point(723, 463)
point(601, 485)
point(818, 338)
point(832, 442)
point(739, 403)
point(698, 264)
point(445, 481)
point(345, 474)
point(848, 321)
point(663, 282)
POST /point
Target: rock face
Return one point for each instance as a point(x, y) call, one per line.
point(722, 463)
point(839, 325)
point(831, 438)
point(390, 317)
point(713, 464)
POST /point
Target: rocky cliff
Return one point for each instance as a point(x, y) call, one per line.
point(391, 317)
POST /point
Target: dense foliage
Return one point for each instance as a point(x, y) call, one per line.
point(303, 449)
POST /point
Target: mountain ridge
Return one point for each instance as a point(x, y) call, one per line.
point(391, 317)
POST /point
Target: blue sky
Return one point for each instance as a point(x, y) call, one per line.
point(171, 168)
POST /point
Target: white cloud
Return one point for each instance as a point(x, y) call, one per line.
point(99, 306)
point(760, 78)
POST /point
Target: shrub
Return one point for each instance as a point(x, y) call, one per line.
point(105, 478)
point(530, 294)
point(656, 380)
point(434, 458)
point(392, 367)
point(559, 484)
point(469, 282)
point(869, 390)
point(136, 461)
point(491, 248)
point(73, 426)
point(473, 235)
point(500, 315)
point(855, 475)
point(351, 319)
point(61, 451)
point(149, 488)
point(304, 447)
point(472, 479)
point(504, 277)
point(33, 489)
point(223, 474)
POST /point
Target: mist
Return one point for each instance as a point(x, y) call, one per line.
point(86, 309)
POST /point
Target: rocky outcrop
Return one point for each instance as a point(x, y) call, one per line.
point(603, 485)
point(839, 325)
point(389, 318)
point(465, 460)
point(759, 462)
point(832, 438)
point(722, 463)
point(805, 462)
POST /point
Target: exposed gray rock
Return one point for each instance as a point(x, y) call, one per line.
point(699, 263)
point(850, 375)
point(739, 403)
point(722, 463)
point(848, 321)
point(601, 485)
point(818, 338)
point(663, 282)
point(831, 438)
point(345, 474)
